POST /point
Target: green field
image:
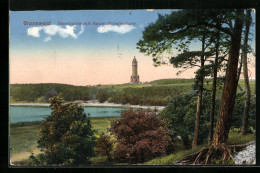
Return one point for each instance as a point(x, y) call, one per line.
point(24, 136)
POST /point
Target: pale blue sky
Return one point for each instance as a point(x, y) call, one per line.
point(68, 53)
point(90, 38)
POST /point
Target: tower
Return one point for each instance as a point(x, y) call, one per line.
point(135, 76)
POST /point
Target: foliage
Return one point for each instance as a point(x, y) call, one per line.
point(41, 100)
point(237, 116)
point(176, 30)
point(66, 136)
point(140, 135)
point(104, 145)
point(150, 93)
point(234, 138)
point(24, 136)
point(174, 116)
point(179, 116)
point(102, 96)
point(31, 92)
point(50, 94)
point(85, 97)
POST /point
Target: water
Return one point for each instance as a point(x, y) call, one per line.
point(31, 113)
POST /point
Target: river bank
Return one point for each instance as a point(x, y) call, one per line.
point(93, 103)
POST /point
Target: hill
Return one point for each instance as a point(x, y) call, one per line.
point(154, 93)
point(150, 93)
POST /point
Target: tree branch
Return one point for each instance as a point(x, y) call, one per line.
point(225, 30)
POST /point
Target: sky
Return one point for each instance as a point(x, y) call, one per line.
point(83, 47)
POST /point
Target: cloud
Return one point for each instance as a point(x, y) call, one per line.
point(52, 30)
point(122, 29)
point(47, 39)
point(81, 30)
point(34, 31)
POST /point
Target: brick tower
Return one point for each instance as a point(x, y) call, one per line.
point(135, 76)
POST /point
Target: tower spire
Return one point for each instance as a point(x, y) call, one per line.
point(135, 76)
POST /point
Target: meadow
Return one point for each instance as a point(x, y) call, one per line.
point(23, 137)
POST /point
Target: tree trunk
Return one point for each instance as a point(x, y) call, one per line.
point(199, 103)
point(186, 141)
point(227, 102)
point(239, 69)
point(245, 73)
point(213, 94)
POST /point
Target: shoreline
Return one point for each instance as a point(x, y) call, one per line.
point(94, 104)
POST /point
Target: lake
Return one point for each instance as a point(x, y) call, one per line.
point(32, 113)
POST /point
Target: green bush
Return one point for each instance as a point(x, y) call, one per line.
point(238, 112)
point(41, 100)
point(66, 136)
point(85, 97)
point(102, 96)
point(179, 116)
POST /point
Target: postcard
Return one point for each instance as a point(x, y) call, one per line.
point(132, 87)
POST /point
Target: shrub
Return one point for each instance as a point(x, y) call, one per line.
point(102, 96)
point(41, 100)
point(179, 116)
point(140, 135)
point(85, 97)
point(124, 99)
point(237, 116)
point(50, 94)
point(66, 136)
point(104, 145)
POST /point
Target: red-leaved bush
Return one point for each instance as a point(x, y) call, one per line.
point(104, 145)
point(140, 136)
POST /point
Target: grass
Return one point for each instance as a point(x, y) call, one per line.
point(172, 158)
point(24, 136)
point(101, 124)
point(99, 160)
point(171, 81)
point(234, 138)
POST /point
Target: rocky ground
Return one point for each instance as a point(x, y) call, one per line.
point(246, 156)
